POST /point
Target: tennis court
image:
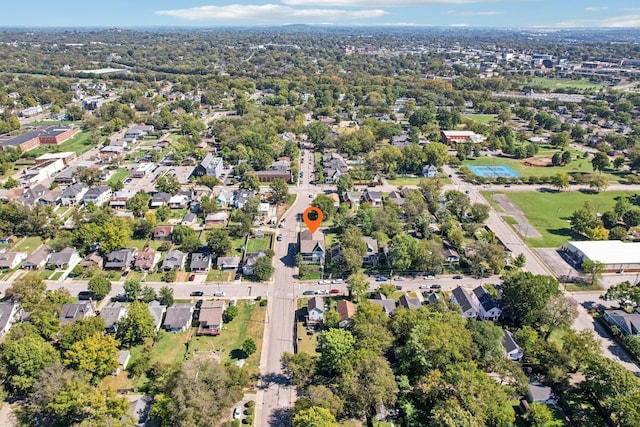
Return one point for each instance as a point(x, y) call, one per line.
point(493, 171)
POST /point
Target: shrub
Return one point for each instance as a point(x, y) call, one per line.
point(250, 404)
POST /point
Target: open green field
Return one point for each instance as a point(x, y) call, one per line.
point(79, 144)
point(263, 244)
point(546, 83)
point(220, 276)
point(549, 212)
point(28, 245)
point(119, 175)
point(481, 118)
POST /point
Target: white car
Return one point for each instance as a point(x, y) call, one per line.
point(323, 292)
point(429, 277)
point(337, 281)
point(423, 287)
point(324, 282)
point(219, 294)
point(237, 413)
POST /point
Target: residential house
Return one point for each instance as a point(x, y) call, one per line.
point(7, 240)
point(211, 316)
point(373, 198)
point(460, 297)
point(10, 313)
point(159, 199)
point(37, 259)
point(387, 305)
point(250, 261)
point(120, 198)
point(76, 310)
point(315, 310)
point(450, 254)
point(179, 201)
point(410, 303)
point(396, 197)
point(401, 140)
point(335, 161)
point(429, 171)
point(226, 263)
point(542, 394)
point(200, 262)
point(137, 132)
point(162, 232)
point(216, 218)
point(331, 176)
point(511, 347)
point(97, 195)
point(210, 165)
point(51, 197)
point(32, 195)
point(488, 309)
point(73, 194)
point(65, 258)
point(352, 198)
point(111, 314)
point(178, 317)
point(10, 260)
point(347, 311)
point(174, 260)
point(190, 220)
point(157, 312)
point(225, 198)
point(242, 196)
point(146, 260)
point(370, 256)
point(92, 260)
point(433, 298)
point(312, 247)
point(628, 323)
point(121, 259)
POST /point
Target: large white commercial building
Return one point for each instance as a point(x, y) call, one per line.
point(617, 256)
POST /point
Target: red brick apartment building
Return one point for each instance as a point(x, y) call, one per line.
point(51, 135)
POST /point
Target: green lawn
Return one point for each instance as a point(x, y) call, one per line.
point(28, 245)
point(137, 243)
point(481, 118)
point(549, 212)
point(546, 83)
point(263, 244)
point(80, 144)
point(220, 276)
point(248, 324)
point(119, 176)
point(56, 275)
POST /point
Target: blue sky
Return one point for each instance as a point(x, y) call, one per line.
point(212, 13)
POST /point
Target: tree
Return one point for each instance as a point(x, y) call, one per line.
point(250, 181)
point(357, 285)
point(182, 234)
point(520, 261)
point(335, 346)
point(89, 176)
point(632, 217)
point(436, 154)
point(598, 182)
point(263, 269)
point(314, 417)
point(168, 184)
point(99, 286)
point(208, 181)
point(219, 242)
point(487, 342)
point(137, 324)
point(525, 297)
point(594, 269)
point(279, 191)
point(139, 203)
point(79, 330)
point(300, 368)
point(422, 116)
point(148, 294)
point(29, 290)
point(560, 140)
point(345, 183)
point(600, 161)
point(248, 347)
point(539, 415)
point(401, 251)
point(625, 293)
point(114, 234)
point(560, 181)
point(479, 212)
point(317, 132)
point(96, 355)
point(132, 289)
point(582, 220)
point(566, 157)
point(23, 359)
point(231, 313)
point(166, 296)
point(326, 205)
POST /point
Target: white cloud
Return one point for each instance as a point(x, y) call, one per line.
point(459, 25)
point(267, 13)
point(380, 3)
point(478, 13)
point(596, 9)
point(625, 21)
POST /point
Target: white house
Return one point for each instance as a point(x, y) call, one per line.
point(9, 314)
point(99, 195)
point(460, 297)
point(487, 307)
point(315, 310)
point(511, 347)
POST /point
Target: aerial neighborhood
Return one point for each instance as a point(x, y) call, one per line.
point(476, 261)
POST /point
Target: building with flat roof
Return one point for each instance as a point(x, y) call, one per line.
point(51, 135)
point(616, 255)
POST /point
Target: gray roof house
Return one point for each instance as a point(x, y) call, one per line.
point(121, 259)
point(242, 196)
point(629, 323)
point(73, 194)
point(178, 317)
point(157, 311)
point(159, 199)
point(63, 259)
point(250, 262)
point(460, 297)
point(76, 310)
point(200, 262)
point(37, 259)
point(9, 314)
point(488, 309)
point(315, 310)
point(228, 263)
point(409, 303)
point(174, 259)
point(312, 247)
point(97, 195)
point(111, 314)
point(371, 255)
point(511, 347)
point(388, 305)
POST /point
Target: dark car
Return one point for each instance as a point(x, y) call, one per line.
point(196, 294)
point(192, 277)
point(457, 277)
point(308, 293)
point(398, 287)
point(84, 295)
point(436, 286)
point(120, 298)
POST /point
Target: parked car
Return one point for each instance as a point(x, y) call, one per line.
point(507, 186)
point(381, 279)
point(423, 287)
point(237, 413)
point(334, 291)
point(323, 292)
point(429, 277)
point(457, 277)
point(279, 238)
point(192, 277)
point(120, 298)
point(399, 278)
point(398, 287)
point(219, 294)
point(436, 287)
point(196, 294)
point(84, 295)
point(308, 293)
point(324, 282)
point(337, 281)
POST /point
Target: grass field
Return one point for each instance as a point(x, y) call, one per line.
point(220, 276)
point(263, 244)
point(546, 83)
point(28, 244)
point(119, 175)
point(549, 212)
point(481, 118)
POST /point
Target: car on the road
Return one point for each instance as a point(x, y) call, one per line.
point(507, 186)
point(281, 225)
point(398, 287)
point(196, 294)
point(311, 196)
point(192, 277)
point(436, 287)
point(466, 191)
point(398, 278)
point(237, 413)
point(308, 293)
point(457, 277)
point(324, 282)
point(323, 292)
point(279, 238)
point(429, 277)
point(219, 294)
point(334, 291)
point(382, 279)
point(423, 287)
point(337, 281)
point(84, 295)
point(120, 298)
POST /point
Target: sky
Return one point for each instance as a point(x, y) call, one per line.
point(218, 13)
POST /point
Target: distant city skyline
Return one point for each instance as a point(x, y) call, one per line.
point(219, 13)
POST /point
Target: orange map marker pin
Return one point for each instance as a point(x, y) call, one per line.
point(313, 218)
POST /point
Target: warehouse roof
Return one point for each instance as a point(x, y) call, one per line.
point(608, 251)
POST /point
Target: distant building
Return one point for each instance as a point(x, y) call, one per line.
point(453, 137)
point(51, 135)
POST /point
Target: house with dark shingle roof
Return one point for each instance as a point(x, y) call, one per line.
point(64, 258)
point(174, 259)
point(121, 259)
point(409, 303)
point(488, 309)
point(511, 347)
point(460, 297)
point(76, 310)
point(200, 262)
point(178, 317)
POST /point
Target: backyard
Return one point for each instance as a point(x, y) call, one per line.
point(259, 244)
point(549, 212)
point(481, 118)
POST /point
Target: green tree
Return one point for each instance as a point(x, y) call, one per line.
point(96, 355)
point(166, 296)
point(263, 270)
point(29, 290)
point(401, 252)
point(208, 181)
point(250, 181)
point(436, 154)
point(326, 204)
point(335, 346)
point(300, 368)
point(136, 325)
point(99, 286)
point(139, 203)
point(520, 261)
point(182, 234)
point(357, 285)
point(248, 347)
point(168, 184)
point(148, 294)
point(598, 182)
point(600, 161)
point(314, 417)
point(594, 270)
point(487, 342)
point(525, 297)
point(219, 242)
point(132, 289)
point(582, 221)
point(632, 217)
point(625, 293)
point(560, 181)
point(422, 116)
point(479, 212)
point(316, 132)
point(279, 191)
point(79, 330)
point(114, 234)
point(560, 140)
point(231, 313)
point(345, 183)
point(23, 359)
